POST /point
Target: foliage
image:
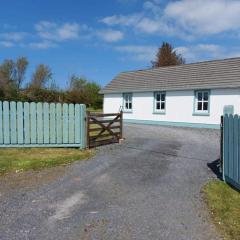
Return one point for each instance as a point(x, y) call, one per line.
point(22, 159)
point(41, 77)
point(42, 86)
point(80, 90)
point(21, 67)
point(224, 205)
point(7, 84)
point(167, 56)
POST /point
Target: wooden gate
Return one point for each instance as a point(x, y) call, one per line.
point(104, 129)
point(231, 149)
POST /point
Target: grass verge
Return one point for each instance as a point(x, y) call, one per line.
point(224, 205)
point(22, 159)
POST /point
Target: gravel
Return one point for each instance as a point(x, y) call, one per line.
point(148, 187)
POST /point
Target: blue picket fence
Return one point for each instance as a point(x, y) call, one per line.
point(231, 149)
point(24, 124)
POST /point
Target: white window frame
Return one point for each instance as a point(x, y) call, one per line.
point(127, 99)
point(156, 102)
point(202, 101)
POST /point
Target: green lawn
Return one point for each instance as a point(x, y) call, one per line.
point(22, 159)
point(224, 206)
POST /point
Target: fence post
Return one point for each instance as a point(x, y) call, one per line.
point(121, 124)
point(221, 146)
point(83, 126)
point(88, 129)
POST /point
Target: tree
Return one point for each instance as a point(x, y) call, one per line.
point(7, 84)
point(77, 83)
point(20, 70)
point(82, 91)
point(167, 56)
point(92, 92)
point(41, 77)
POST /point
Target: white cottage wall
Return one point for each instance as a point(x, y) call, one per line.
point(179, 107)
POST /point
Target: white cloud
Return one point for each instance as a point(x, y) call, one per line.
point(7, 44)
point(110, 35)
point(13, 36)
point(52, 31)
point(138, 53)
point(192, 53)
point(124, 20)
point(201, 52)
point(183, 18)
point(205, 16)
point(43, 45)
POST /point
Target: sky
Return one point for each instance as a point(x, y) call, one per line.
point(98, 39)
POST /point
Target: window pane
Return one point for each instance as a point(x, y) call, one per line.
point(158, 97)
point(205, 106)
point(130, 105)
point(158, 106)
point(199, 96)
point(130, 97)
point(163, 97)
point(126, 105)
point(199, 106)
point(205, 96)
point(162, 105)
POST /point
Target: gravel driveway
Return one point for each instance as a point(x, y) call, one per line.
point(146, 188)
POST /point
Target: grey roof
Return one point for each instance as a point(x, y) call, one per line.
point(203, 75)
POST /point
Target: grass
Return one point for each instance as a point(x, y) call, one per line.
point(23, 159)
point(224, 205)
point(97, 110)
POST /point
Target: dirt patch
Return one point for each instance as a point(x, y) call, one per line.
point(30, 179)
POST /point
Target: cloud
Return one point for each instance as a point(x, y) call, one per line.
point(110, 35)
point(43, 45)
point(186, 19)
point(201, 52)
point(13, 36)
point(192, 53)
point(204, 16)
point(7, 44)
point(52, 31)
point(124, 20)
point(137, 52)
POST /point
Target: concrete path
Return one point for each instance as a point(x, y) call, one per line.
point(146, 188)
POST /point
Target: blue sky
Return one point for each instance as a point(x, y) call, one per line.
point(98, 39)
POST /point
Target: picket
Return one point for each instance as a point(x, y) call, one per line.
point(52, 123)
point(13, 123)
point(59, 123)
point(46, 123)
point(6, 127)
point(24, 124)
point(235, 146)
point(71, 123)
point(77, 123)
point(65, 123)
point(39, 123)
point(33, 127)
point(20, 123)
point(1, 124)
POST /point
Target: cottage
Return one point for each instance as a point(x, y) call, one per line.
point(191, 95)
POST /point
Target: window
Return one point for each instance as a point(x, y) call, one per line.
point(127, 102)
point(159, 102)
point(202, 102)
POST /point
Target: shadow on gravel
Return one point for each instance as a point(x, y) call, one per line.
point(215, 166)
